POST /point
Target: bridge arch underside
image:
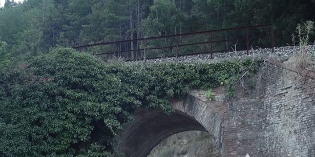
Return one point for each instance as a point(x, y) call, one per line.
point(151, 127)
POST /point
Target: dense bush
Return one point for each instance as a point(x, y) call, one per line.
point(70, 104)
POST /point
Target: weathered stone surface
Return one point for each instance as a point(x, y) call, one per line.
point(276, 119)
point(151, 127)
point(187, 144)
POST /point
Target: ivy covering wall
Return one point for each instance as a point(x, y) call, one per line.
point(66, 103)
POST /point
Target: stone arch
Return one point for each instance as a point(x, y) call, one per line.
point(152, 126)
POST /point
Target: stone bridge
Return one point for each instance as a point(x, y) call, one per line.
point(275, 119)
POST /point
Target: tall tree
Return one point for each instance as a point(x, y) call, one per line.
point(11, 24)
point(9, 3)
point(164, 19)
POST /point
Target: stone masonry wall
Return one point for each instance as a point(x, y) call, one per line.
point(277, 119)
point(288, 121)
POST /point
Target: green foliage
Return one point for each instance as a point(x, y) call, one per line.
point(251, 84)
point(5, 57)
point(164, 19)
point(66, 103)
point(303, 32)
point(209, 94)
point(11, 23)
point(61, 104)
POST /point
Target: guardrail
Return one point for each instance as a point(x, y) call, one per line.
point(205, 42)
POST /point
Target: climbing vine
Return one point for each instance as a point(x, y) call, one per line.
point(66, 103)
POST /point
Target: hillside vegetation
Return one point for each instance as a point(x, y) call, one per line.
point(38, 25)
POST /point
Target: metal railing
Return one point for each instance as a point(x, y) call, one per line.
point(205, 42)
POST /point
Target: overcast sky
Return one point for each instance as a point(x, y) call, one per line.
point(2, 2)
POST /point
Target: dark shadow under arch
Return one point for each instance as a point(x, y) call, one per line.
point(151, 127)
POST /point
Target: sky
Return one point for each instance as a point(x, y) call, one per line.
point(2, 2)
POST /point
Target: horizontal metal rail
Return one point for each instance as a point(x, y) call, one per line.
point(166, 47)
point(144, 42)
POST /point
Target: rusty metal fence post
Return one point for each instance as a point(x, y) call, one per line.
point(211, 52)
point(116, 50)
point(144, 51)
point(177, 47)
point(272, 38)
point(247, 41)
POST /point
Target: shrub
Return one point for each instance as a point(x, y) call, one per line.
point(303, 32)
point(63, 103)
point(210, 95)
